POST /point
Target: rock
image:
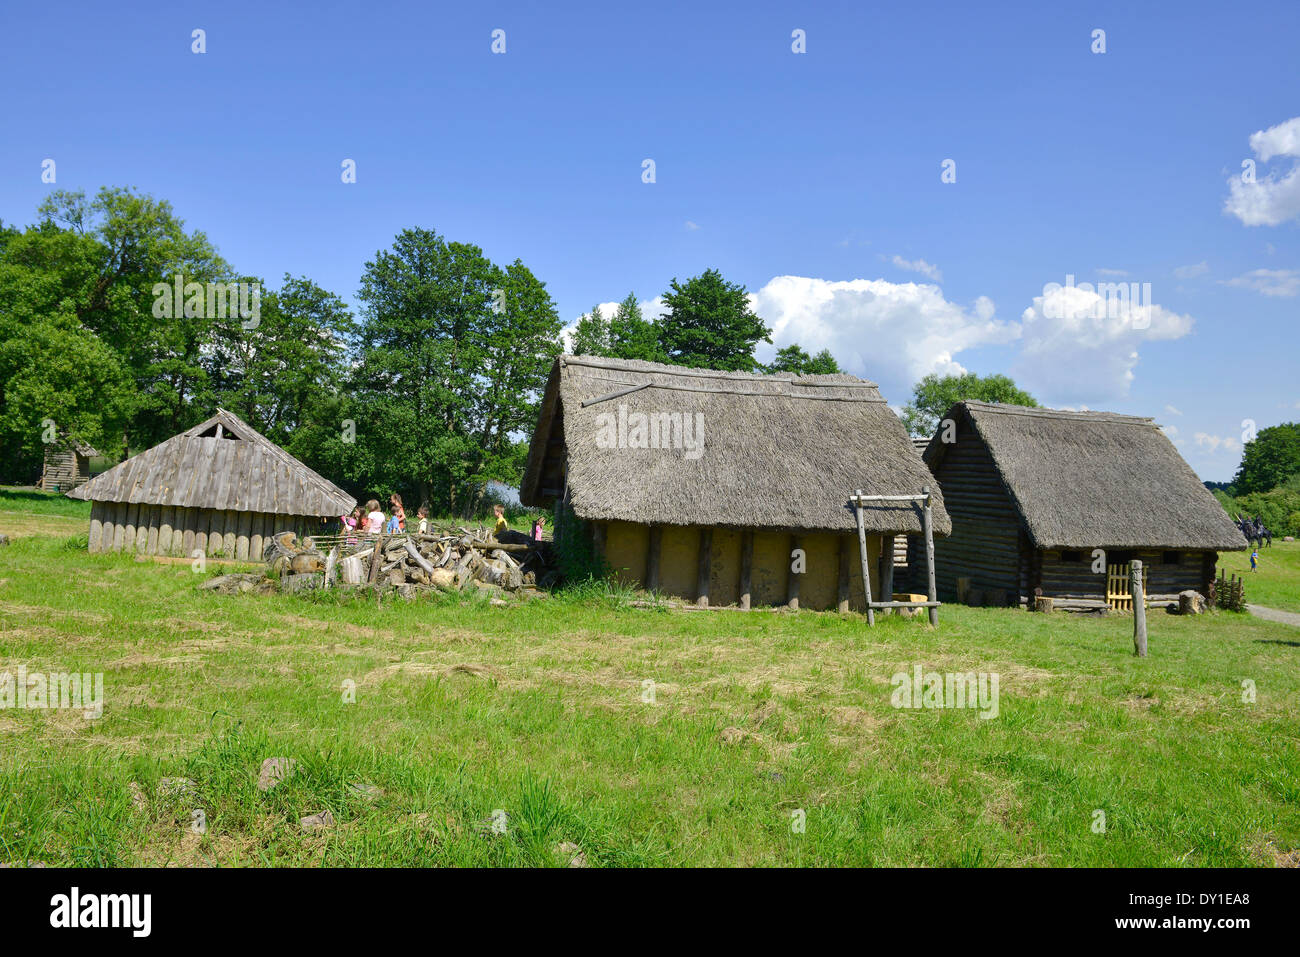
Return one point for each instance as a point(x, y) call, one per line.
point(275, 770)
point(138, 799)
point(1190, 602)
point(573, 852)
point(232, 584)
point(406, 591)
point(1285, 538)
point(315, 822)
point(4, 539)
point(302, 582)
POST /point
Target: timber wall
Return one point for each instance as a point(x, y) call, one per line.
point(168, 530)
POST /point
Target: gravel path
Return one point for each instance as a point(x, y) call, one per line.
point(1273, 614)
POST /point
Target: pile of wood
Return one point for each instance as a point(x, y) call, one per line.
point(1228, 593)
point(445, 559)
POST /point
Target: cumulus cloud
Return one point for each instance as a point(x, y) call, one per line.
point(926, 269)
point(1215, 443)
point(892, 333)
point(1275, 198)
point(1172, 411)
point(1078, 345)
point(1269, 282)
point(692, 226)
point(1191, 272)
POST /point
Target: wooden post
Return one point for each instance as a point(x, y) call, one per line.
point(746, 568)
point(1139, 611)
point(652, 557)
point(928, 521)
point(866, 566)
point(846, 545)
point(376, 559)
point(598, 532)
point(887, 568)
point(792, 584)
point(963, 590)
point(96, 526)
point(706, 560)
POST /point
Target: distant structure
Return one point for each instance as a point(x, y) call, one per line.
point(1057, 504)
point(219, 488)
point(729, 488)
point(67, 464)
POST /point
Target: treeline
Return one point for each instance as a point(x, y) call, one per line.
point(1267, 483)
point(121, 327)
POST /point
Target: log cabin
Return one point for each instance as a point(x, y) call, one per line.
point(708, 486)
point(220, 489)
point(1057, 504)
point(67, 464)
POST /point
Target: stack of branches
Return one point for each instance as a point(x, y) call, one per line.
point(453, 559)
point(1228, 593)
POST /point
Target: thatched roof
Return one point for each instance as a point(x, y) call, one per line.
point(779, 452)
point(66, 443)
point(222, 463)
point(1094, 479)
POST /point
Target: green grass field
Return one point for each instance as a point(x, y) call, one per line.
point(1277, 582)
point(539, 710)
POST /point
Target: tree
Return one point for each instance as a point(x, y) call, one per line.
point(934, 395)
point(591, 335)
point(795, 360)
point(1271, 458)
point(709, 325)
point(631, 336)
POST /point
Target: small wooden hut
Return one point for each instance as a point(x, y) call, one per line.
point(67, 464)
point(220, 489)
point(702, 484)
point(1057, 504)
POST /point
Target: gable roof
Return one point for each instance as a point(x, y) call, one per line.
point(66, 442)
point(1094, 479)
point(241, 471)
point(780, 452)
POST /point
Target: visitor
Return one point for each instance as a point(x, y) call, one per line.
point(501, 523)
point(1254, 559)
point(374, 518)
point(423, 514)
point(537, 529)
point(399, 512)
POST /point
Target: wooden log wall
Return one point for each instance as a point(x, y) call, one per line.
point(168, 530)
point(64, 470)
point(1073, 583)
point(985, 542)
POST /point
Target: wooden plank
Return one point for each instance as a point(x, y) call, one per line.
point(255, 529)
point(653, 551)
point(906, 604)
point(242, 536)
point(166, 519)
point(155, 523)
point(598, 531)
point(96, 526)
point(793, 579)
point(232, 533)
point(866, 567)
point(200, 519)
point(216, 532)
point(927, 520)
point(132, 516)
point(746, 568)
point(887, 567)
point(702, 571)
point(846, 560)
point(1139, 611)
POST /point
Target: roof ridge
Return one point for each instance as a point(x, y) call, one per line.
point(647, 367)
point(1006, 408)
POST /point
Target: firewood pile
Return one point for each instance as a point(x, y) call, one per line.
point(457, 559)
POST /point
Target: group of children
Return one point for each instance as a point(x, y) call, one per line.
point(371, 521)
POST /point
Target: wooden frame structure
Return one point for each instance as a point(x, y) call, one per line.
point(860, 501)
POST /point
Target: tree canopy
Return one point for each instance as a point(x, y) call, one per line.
point(934, 395)
point(1269, 459)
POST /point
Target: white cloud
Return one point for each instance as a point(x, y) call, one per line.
point(892, 333)
point(1270, 282)
point(1191, 272)
point(926, 269)
point(1273, 199)
point(1172, 411)
point(1079, 346)
point(692, 226)
point(1213, 443)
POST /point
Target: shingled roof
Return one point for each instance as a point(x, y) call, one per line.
point(221, 463)
point(1094, 479)
point(780, 452)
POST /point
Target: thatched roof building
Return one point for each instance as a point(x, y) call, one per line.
point(220, 487)
point(67, 464)
point(1033, 492)
point(677, 467)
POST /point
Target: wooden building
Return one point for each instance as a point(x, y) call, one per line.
point(219, 489)
point(67, 464)
point(1058, 503)
point(729, 488)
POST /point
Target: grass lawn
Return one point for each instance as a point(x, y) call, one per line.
point(540, 711)
point(27, 512)
point(1277, 582)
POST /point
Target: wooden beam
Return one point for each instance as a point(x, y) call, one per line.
point(866, 565)
point(792, 586)
point(887, 567)
point(1139, 609)
point(653, 550)
point(846, 546)
point(599, 532)
point(705, 566)
point(928, 522)
point(746, 568)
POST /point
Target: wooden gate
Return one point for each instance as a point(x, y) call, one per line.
point(1119, 588)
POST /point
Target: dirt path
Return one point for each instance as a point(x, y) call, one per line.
point(1273, 614)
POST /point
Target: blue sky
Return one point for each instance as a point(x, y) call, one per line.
point(812, 178)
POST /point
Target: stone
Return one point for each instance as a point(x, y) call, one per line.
point(4, 539)
point(1285, 538)
point(232, 584)
point(275, 770)
point(573, 852)
point(138, 799)
point(303, 582)
point(316, 822)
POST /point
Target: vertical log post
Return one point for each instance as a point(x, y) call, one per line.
point(928, 521)
point(598, 533)
point(746, 568)
point(846, 546)
point(866, 565)
point(654, 550)
point(887, 568)
point(706, 560)
point(792, 585)
point(1139, 611)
